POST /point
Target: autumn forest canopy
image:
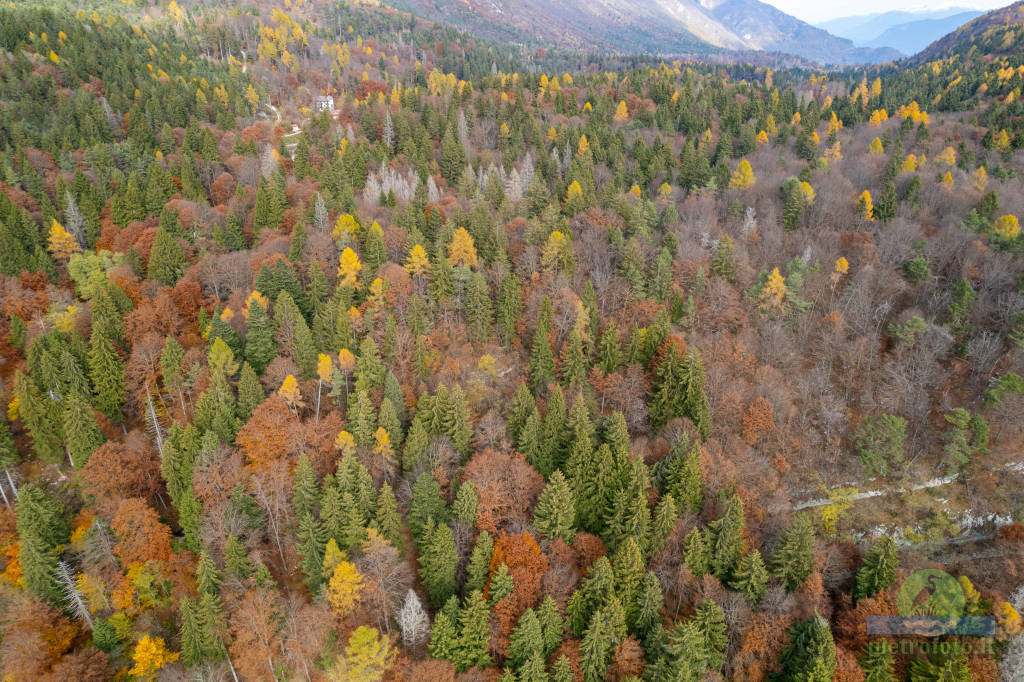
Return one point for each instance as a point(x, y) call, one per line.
point(337, 344)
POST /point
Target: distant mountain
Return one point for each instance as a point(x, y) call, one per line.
point(914, 36)
point(668, 27)
point(908, 32)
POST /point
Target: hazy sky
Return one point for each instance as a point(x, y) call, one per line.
point(823, 10)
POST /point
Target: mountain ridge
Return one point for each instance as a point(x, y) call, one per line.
point(664, 27)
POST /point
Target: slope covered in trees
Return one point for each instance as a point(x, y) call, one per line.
point(511, 366)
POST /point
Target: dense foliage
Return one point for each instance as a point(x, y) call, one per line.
point(640, 371)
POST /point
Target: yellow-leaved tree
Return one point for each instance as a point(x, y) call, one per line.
point(876, 147)
point(865, 208)
point(345, 442)
point(979, 179)
point(583, 146)
point(621, 113)
point(290, 392)
point(150, 656)
point(557, 252)
point(743, 177)
point(1008, 226)
point(417, 264)
point(345, 227)
point(773, 293)
point(367, 657)
point(348, 269)
point(344, 588)
point(461, 251)
point(62, 244)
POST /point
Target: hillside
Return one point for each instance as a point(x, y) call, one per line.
point(341, 345)
point(663, 27)
point(995, 34)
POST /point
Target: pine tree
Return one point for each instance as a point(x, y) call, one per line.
point(453, 157)
point(474, 634)
point(106, 371)
point(684, 478)
point(526, 640)
point(551, 625)
point(478, 309)
point(260, 346)
point(710, 621)
point(879, 569)
point(41, 527)
point(501, 584)
point(81, 432)
point(751, 577)
point(696, 405)
point(189, 634)
point(479, 562)
point(438, 559)
point(810, 655)
point(726, 543)
point(647, 618)
point(794, 558)
point(609, 349)
point(465, 505)
point(628, 567)
point(510, 306)
point(250, 392)
point(236, 560)
point(542, 361)
point(305, 488)
point(311, 542)
point(663, 523)
point(593, 488)
point(388, 521)
point(669, 388)
point(207, 578)
point(166, 259)
point(878, 662)
point(523, 405)
point(555, 513)
point(444, 634)
point(597, 647)
point(594, 592)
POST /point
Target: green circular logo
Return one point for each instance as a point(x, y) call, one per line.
point(933, 593)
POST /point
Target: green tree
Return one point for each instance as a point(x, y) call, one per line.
point(878, 662)
point(41, 528)
point(479, 562)
point(794, 557)
point(311, 543)
point(474, 633)
point(250, 392)
point(879, 443)
point(555, 513)
point(878, 570)
point(810, 655)
point(526, 640)
point(751, 577)
point(453, 156)
point(81, 432)
point(726, 544)
point(260, 344)
point(593, 593)
point(106, 372)
point(166, 259)
point(510, 306)
point(438, 559)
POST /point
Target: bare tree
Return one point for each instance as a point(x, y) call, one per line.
point(413, 621)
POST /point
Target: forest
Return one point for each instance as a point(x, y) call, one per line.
point(340, 345)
